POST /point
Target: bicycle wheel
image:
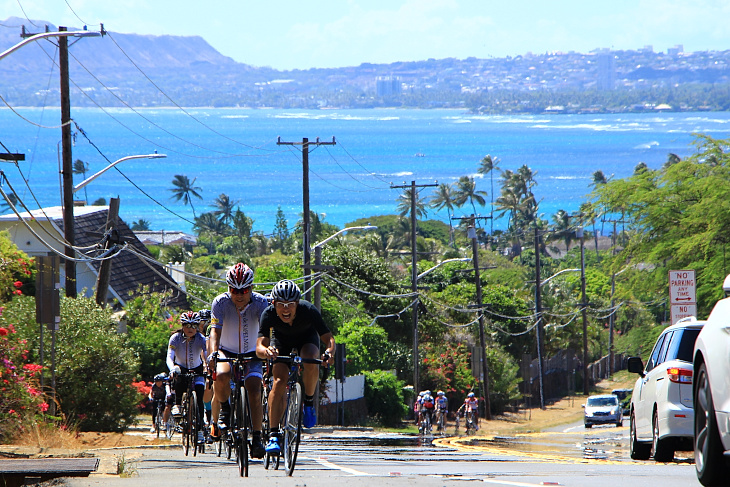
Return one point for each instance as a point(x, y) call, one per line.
point(158, 420)
point(170, 427)
point(184, 423)
point(442, 424)
point(265, 426)
point(292, 427)
point(193, 421)
point(241, 429)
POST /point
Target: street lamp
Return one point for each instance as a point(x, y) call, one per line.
point(318, 260)
point(44, 35)
point(459, 259)
point(94, 176)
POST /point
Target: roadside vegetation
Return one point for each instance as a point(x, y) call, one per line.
point(674, 217)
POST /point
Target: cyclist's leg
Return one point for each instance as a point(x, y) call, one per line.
point(310, 374)
point(253, 384)
point(277, 395)
point(221, 387)
point(199, 391)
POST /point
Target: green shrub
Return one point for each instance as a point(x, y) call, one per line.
point(384, 397)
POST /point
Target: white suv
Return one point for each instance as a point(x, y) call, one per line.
point(661, 414)
point(712, 396)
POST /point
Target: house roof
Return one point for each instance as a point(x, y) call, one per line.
point(162, 237)
point(128, 270)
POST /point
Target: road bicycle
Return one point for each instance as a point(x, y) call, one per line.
point(470, 421)
point(239, 434)
point(291, 423)
point(441, 422)
point(167, 428)
point(425, 428)
point(189, 421)
point(266, 386)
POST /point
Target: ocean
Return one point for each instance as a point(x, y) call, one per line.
point(235, 152)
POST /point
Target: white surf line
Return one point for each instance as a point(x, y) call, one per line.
point(333, 466)
point(517, 484)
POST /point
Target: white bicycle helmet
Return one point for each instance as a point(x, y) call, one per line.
point(286, 290)
point(239, 276)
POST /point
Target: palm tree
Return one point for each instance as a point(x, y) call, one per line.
point(487, 166)
point(208, 224)
point(224, 208)
point(81, 167)
point(442, 198)
point(184, 190)
point(466, 190)
point(141, 225)
point(12, 198)
point(404, 204)
point(562, 229)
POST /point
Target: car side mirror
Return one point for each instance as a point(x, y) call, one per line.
point(583, 406)
point(636, 366)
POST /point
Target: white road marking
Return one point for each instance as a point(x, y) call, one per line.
point(328, 464)
point(516, 484)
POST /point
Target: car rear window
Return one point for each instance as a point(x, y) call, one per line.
point(602, 401)
point(682, 345)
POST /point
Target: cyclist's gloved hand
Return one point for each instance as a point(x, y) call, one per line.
point(176, 370)
point(326, 358)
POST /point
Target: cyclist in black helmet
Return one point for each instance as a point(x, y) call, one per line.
point(297, 324)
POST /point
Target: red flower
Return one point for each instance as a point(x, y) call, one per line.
point(3, 331)
point(43, 406)
point(18, 292)
point(18, 284)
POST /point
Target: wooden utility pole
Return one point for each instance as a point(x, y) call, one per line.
point(67, 167)
point(540, 324)
point(102, 282)
point(414, 278)
point(305, 143)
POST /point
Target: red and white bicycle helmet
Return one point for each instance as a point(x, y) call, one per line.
point(239, 276)
point(190, 318)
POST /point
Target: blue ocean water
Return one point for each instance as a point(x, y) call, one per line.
point(235, 152)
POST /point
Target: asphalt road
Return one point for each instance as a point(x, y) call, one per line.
point(571, 456)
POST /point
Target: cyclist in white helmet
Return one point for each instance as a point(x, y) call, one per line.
point(296, 324)
point(234, 330)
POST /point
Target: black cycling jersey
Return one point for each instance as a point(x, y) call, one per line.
point(307, 322)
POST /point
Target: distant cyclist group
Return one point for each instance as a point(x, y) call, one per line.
point(242, 327)
point(429, 411)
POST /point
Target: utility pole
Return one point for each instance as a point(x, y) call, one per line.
point(583, 306)
point(414, 278)
point(540, 324)
point(472, 234)
point(102, 282)
point(305, 143)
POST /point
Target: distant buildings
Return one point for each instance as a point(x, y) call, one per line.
point(606, 71)
point(388, 86)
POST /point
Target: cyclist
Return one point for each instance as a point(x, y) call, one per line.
point(186, 352)
point(471, 406)
point(442, 406)
point(234, 328)
point(427, 406)
point(296, 324)
point(160, 391)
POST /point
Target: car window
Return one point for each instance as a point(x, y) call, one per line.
point(655, 353)
point(682, 345)
point(663, 352)
point(602, 401)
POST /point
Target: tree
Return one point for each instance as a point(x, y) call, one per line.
point(81, 167)
point(442, 198)
point(224, 208)
point(404, 204)
point(141, 225)
point(487, 166)
point(466, 190)
point(281, 231)
point(12, 199)
point(184, 189)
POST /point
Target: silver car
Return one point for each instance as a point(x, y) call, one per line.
point(602, 409)
point(661, 414)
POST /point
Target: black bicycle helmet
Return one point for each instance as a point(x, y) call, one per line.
point(239, 276)
point(160, 376)
point(286, 290)
point(204, 315)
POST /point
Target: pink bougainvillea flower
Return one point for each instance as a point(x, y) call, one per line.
point(18, 284)
point(43, 406)
point(3, 331)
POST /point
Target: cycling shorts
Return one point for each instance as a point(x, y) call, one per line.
point(250, 369)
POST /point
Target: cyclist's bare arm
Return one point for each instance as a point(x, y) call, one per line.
point(264, 350)
point(214, 342)
point(329, 341)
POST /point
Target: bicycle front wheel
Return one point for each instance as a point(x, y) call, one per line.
point(193, 421)
point(265, 424)
point(185, 424)
point(292, 427)
point(241, 431)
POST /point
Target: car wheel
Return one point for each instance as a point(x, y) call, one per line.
point(710, 464)
point(639, 451)
point(660, 449)
point(589, 425)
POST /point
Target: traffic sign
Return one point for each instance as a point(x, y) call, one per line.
point(682, 294)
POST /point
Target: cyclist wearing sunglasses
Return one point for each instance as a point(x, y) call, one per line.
point(186, 352)
point(296, 324)
point(234, 329)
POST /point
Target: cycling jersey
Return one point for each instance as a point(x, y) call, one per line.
point(307, 327)
point(442, 403)
point(238, 330)
point(471, 404)
point(184, 352)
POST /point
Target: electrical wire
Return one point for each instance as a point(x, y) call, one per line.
point(368, 293)
point(31, 121)
point(77, 15)
point(25, 14)
point(363, 167)
point(346, 172)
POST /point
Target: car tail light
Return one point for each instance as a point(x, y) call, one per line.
point(679, 375)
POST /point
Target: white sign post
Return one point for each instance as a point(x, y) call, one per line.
point(682, 294)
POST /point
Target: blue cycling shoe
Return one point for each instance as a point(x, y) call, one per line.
point(310, 417)
point(272, 447)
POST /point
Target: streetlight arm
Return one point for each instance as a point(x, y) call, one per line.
point(461, 259)
point(558, 273)
point(365, 227)
point(91, 178)
point(43, 35)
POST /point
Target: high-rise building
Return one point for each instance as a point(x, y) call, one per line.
point(388, 85)
point(606, 71)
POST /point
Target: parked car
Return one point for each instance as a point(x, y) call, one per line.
point(661, 415)
point(602, 409)
point(624, 397)
point(712, 396)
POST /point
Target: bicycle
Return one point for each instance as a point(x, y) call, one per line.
point(441, 422)
point(189, 422)
point(240, 432)
point(166, 427)
point(291, 423)
point(471, 423)
point(266, 386)
point(425, 428)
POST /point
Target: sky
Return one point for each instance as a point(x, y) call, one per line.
point(287, 34)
